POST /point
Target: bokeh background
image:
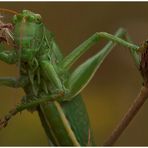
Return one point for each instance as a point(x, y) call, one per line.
point(115, 84)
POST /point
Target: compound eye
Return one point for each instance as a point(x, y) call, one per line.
point(38, 18)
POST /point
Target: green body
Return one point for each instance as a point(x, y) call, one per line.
point(39, 85)
point(76, 115)
point(51, 88)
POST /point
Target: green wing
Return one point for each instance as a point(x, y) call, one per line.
point(74, 110)
point(76, 114)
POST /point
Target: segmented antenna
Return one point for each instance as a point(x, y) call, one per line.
point(8, 10)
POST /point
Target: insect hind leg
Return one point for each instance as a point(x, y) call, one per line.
point(81, 76)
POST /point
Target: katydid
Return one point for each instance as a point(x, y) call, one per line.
point(45, 76)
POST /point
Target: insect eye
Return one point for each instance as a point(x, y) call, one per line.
point(38, 21)
point(38, 18)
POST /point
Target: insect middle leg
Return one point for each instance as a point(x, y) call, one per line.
point(13, 82)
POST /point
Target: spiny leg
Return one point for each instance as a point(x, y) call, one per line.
point(9, 57)
point(83, 74)
point(34, 103)
point(69, 60)
point(134, 53)
point(50, 74)
point(13, 82)
point(9, 81)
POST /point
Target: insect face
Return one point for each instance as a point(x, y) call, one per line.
point(28, 32)
point(27, 16)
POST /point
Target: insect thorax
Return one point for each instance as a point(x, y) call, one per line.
point(37, 84)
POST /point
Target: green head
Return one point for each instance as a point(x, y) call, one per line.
point(28, 32)
point(28, 16)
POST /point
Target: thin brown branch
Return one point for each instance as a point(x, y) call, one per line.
point(133, 109)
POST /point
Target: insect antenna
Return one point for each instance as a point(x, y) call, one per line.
point(8, 11)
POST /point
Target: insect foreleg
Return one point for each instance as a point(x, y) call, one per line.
point(13, 82)
point(8, 81)
point(9, 57)
point(81, 49)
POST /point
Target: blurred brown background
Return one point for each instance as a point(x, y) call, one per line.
point(115, 84)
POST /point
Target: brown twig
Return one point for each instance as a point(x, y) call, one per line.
point(133, 109)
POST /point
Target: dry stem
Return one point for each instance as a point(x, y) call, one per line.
point(133, 109)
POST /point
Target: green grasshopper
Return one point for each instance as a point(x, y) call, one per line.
point(50, 87)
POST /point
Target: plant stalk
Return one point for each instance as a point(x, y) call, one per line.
point(133, 109)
